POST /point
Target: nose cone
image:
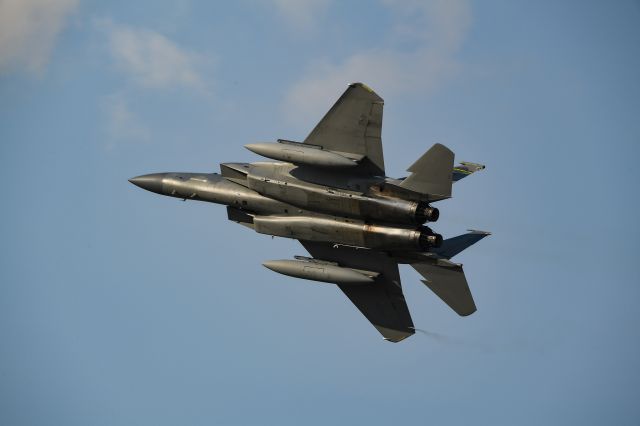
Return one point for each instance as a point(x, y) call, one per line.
point(151, 182)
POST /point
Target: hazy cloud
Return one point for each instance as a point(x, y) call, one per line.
point(122, 124)
point(301, 14)
point(426, 36)
point(28, 30)
point(152, 60)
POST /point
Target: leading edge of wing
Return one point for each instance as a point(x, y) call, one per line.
point(381, 302)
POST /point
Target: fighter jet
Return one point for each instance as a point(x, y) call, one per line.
point(331, 193)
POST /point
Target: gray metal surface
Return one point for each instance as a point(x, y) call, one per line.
point(448, 282)
point(301, 154)
point(320, 271)
point(353, 126)
point(452, 246)
point(432, 173)
point(382, 303)
point(330, 192)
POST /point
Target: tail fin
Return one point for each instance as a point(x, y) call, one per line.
point(465, 169)
point(452, 246)
point(446, 279)
point(432, 173)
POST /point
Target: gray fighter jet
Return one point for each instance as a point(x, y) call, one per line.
point(331, 193)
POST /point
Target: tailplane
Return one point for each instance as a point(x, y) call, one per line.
point(452, 246)
point(446, 279)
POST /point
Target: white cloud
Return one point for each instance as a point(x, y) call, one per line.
point(427, 33)
point(152, 60)
point(28, 30)
point(123, 125)
point(301, 14)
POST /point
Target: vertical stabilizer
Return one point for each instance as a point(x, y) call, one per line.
point(432, 173)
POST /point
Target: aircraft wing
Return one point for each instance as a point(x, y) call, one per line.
point(382, 302)
point(353, 127)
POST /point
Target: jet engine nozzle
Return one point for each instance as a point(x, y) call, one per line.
point(429, 239)
point(426, 213)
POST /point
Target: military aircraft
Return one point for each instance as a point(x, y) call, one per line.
point(331, 193)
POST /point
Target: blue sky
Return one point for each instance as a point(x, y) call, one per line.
point(120, 307)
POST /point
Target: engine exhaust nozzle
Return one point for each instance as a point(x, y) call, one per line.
point(426, 213)
point(429, 239)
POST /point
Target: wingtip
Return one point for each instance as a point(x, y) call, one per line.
point(394, 335)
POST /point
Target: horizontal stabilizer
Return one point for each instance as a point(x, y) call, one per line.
point(452, 246)
point(432, 173)
point(448, 282)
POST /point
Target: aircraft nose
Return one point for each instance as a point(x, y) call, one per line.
point(151, 182)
